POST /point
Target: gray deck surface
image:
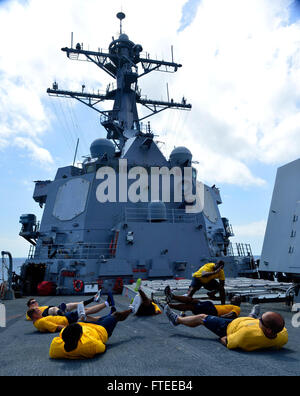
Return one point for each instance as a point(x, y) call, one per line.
point(142, 347)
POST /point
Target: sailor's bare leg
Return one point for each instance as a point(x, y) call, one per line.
point(185, 299)
point(145, 300)
point(192, 291)
point(53, 311)
point(72, 306)
point(95, 309)
point(182, 307)
point(192, 321)
point(92, 318)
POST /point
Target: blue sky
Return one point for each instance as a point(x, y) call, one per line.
point(241, 72)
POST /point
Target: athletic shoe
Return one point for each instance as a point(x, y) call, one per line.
point(255, 312)
point(136, 303)
point(113, 309)
point(168, 294)
point(62, 307)
point(172, 316)
point(81, 312)
point(158, 302)
point(97, 297)
point(110, 299)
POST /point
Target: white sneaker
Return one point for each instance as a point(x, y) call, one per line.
point(255, 312)
point(81, 312)
point(97, 297)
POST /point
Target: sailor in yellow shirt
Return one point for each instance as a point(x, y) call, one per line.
point(247, 333)
point(144, 306)
point(230, 311)
point(85, 340)
point(212, 277)
point(61, 309)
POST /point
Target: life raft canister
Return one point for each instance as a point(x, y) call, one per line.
point(78, 285)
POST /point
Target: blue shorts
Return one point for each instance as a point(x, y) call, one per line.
point(205, 307)
point(108, 322)
point(72, 317)
point(217, 325)
point(211, 285)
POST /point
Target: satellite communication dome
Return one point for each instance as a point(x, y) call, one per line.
point(123, 37)
point(181, 156)
point(99, 147)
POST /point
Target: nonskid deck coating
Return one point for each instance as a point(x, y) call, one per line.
point(142, 347)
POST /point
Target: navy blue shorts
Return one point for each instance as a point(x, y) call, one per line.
point(205, 307)
point(217, 325)
point(108, 322)
point(211, 285)
point(72, 317)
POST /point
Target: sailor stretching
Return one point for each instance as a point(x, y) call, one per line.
point(212, 277)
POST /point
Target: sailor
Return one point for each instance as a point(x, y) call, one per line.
point(212, 277)
point(230, 311)
point(62, 308)
point(144, 306)
point(53, 324)
point(247, 333)
point(85, 340)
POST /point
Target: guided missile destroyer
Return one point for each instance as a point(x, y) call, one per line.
point(91, 233)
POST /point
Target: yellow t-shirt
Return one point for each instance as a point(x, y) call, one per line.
point(91, 343)
point(209, 267)
point(49, 323)
point(42, 309)
point(225, 309)
point(245, 333)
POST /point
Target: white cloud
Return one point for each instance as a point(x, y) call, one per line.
point(254, 229)
point(36, 153)
point(252, 233)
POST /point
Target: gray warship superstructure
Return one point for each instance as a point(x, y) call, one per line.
point(280, 256)
point(82, 241)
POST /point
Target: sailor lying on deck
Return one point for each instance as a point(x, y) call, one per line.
point(230, 311)
point(85, 340)
point(61, 309)
point(53, 324)
point(144, 306)
point(211, 276)
point(248, 333)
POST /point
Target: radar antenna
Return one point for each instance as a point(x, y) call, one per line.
point(121, 63)
point(121, 16)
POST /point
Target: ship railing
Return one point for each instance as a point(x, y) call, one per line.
point(76, 251)
point(143, 215)
point(240, 250)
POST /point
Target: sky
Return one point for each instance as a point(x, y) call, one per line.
point(241, 72)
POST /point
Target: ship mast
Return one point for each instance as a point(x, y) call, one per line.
point(121, 63)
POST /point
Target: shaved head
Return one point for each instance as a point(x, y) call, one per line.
point(274, 321)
